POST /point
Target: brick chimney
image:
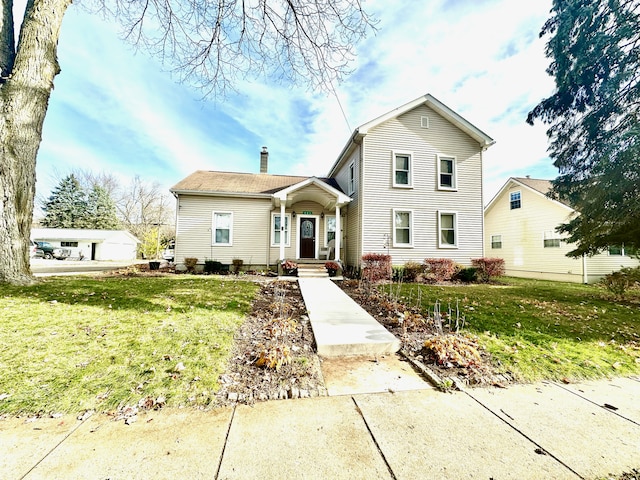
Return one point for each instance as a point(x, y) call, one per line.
point(264, 160)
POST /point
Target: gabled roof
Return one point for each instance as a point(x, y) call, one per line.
point(297, 192)
point(474, 132)
point(246, 184)
point(536, 185)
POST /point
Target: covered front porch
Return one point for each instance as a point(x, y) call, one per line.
point(308, 221)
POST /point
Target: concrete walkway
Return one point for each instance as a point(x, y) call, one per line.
point(340, 326)
point(543, 431)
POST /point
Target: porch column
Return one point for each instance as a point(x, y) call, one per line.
point(338, 235)
point(282, 220)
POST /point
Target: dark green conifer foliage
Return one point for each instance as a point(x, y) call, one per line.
point(594, 119)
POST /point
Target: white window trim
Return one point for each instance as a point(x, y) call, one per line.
point(213, 229)
point(411, 230)
point(456, 233)
point(454, 182)
point(326, 229)
point(394, 153)
point(351, 186)
point(551, 235)
point(491, 241)
point(424, 121)
point(287, 242)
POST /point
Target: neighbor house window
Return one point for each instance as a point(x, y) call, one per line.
point(402, 228)
point(330, 228)
point(278, 232)
point(222, 228)
point(68, 244)
point(496, 241)
point(551, 240)
point(447, 173)
point(514, 200)
point(402, 169)
point(352, 178)
point(447, 229)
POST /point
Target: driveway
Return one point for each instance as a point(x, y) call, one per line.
point(44, 268)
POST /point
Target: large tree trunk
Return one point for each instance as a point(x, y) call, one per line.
point(24, 98)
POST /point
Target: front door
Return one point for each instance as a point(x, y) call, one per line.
point(308, 238)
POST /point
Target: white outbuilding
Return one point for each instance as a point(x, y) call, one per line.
point(91, 244)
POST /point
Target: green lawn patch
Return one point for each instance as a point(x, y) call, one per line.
point(545, 330)
point(68, 344)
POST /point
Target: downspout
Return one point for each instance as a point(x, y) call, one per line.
point(585, 275)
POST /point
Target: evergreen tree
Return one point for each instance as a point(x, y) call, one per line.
point(101, 210)
point(594, 119)
point(66, 207)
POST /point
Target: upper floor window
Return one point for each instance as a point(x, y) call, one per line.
point(514, 200)
point(402, 228)
point(352, 178)
point(68, 244)
point(551, 239)
point(447, 173)
point(222, 228)
point(496, 241)
point(448, 229)
point(402, 172)
point(280, 230)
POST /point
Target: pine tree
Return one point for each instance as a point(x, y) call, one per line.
point(101, 210)
point(66, 207)
point(594, 119)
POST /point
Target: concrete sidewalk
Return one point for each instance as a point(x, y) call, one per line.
point(542, 431)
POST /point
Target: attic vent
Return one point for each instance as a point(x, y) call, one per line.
point(424, 122)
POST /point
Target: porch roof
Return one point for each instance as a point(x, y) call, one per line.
point(326, 195)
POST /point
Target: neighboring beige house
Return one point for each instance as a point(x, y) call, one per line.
point(520, 227)
point(408, 183)
point(91, 244)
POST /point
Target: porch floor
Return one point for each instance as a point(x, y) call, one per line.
point(342, 327)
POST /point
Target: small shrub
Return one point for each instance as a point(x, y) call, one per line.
point(397, 273)
point(488, 268)
point(273, 356)
point(237, 264)
point(190, 263)
point(212, 266)
point(412, 270)
point(467, 275)
point(453, 351)
point(376, 267)
point(332, 266)
point(439, 269)
point(619, 282)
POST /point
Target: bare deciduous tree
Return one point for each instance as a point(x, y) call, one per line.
point(210, 43)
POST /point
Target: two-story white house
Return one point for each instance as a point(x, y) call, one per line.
point(408, 183)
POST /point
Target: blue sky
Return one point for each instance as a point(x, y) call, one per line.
point(119, 111)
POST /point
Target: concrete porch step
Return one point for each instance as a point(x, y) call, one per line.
point(312, 271)
point(340, 326)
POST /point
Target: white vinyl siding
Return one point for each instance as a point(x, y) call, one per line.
point(402, 228)
point(277, 232)
point(222, 229)
point(448, 229)
point(379, 197)
point(446, 173)
point(402, 169)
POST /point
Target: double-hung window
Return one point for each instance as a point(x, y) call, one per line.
point(402, 171)
point(496, 241)
point(551, 239)
point(222, 228)
point(447, 173)
point(447, 229)
point(279, 230)
point(402, 228)
point(514, 200)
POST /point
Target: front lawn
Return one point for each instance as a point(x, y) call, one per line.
point(544, 330)
point(69, 344)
